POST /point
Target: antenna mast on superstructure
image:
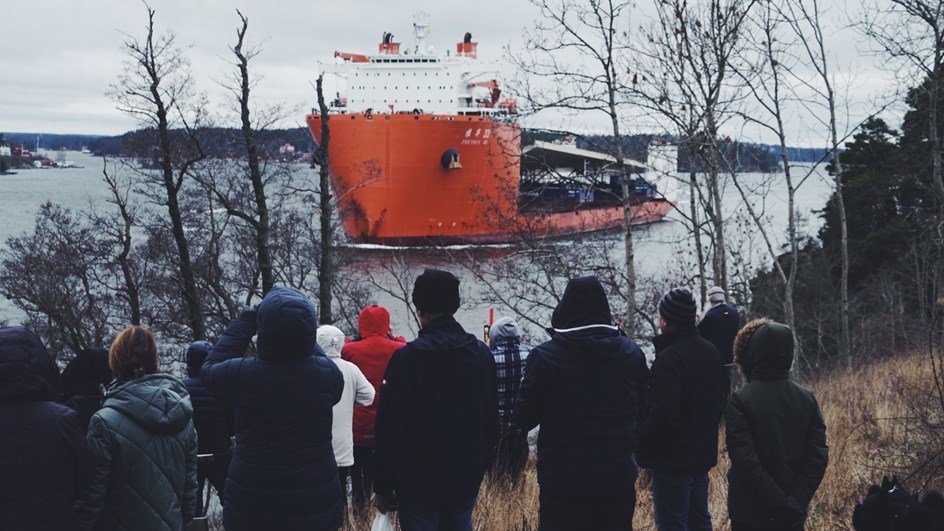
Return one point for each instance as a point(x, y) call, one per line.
point(420, 31)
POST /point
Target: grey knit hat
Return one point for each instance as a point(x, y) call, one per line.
point(678, 307)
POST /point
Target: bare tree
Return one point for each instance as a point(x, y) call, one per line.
point(156, 87)
point(805, 20)
point(261, 222)
point(571, 62)
point(326, 272)
point(683, 74)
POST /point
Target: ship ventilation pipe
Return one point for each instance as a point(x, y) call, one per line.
point(450, 159)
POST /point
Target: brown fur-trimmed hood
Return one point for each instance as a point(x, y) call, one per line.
point(763, 349)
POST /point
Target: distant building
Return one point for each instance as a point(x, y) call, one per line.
point(5, 151)
point(287, 149)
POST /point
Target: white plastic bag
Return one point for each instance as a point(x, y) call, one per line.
point(382, 522)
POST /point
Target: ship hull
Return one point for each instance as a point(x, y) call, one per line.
point(418, 179)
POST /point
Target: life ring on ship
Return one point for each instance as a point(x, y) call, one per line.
point(450, 159)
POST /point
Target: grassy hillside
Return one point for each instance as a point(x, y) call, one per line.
point(882, 419)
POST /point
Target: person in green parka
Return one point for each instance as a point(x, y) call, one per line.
point(776, 437)
point(143, 445)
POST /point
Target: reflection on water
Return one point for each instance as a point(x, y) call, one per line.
point(659, 246)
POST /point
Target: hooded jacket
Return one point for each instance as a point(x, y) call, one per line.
point(357, 392)
point(371, 353)
point(43, 458)
point(437, 422)
point(586, 388)
point(83, 380)
point(144, 449)
point(211, 417)
point(282, 474)
point(775, 433)
point(685, 404)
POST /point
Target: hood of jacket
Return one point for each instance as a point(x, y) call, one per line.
point(331, 340)
point(86, 373)
point(503, 331)
point(373, 321)
point(584, 303)
point(286, 325)
point(764, 350)
point(27, 370)
point(596, 344)
point(158, 402)
point(197, 354)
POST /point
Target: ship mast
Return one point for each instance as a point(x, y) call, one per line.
point(420, 31)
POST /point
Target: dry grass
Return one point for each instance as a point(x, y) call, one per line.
point(882, 419)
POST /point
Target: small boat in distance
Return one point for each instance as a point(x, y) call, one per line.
point(425, 149)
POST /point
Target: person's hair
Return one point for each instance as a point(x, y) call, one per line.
point(133, 353)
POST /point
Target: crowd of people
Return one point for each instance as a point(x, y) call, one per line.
point(315, 420)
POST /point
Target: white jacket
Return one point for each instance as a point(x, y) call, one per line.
point(357, 391)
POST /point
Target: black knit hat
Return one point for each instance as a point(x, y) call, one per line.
point(678, 307)
point(436, 292)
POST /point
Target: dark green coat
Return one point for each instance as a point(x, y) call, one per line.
point(144, 449)
point(775, 433)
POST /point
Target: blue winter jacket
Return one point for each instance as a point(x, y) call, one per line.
point(43, 458)
point(283, 474)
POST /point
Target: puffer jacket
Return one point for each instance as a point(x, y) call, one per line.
point(43, 457)
point(283, 474)
point(586, 388)
point(144, 450)
point(776, 436)
point(211, 417)
point(371, 353)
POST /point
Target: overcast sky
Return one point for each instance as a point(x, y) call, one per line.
point(58, 57)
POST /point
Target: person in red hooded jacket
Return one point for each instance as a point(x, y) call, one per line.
point(371, 353)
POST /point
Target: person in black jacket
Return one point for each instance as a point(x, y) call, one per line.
point(282, 475)
point(437, 423)
point(44, 463)
point(586, 388)
point(719, 325)
point(775, 435)
point(214, 424)
point(83, 382)
point(680, 437)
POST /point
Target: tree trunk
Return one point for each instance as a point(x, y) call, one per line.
point(630, 325)
point(172, 188)
point(255, 173)
point(326, 271)
point(696, 225)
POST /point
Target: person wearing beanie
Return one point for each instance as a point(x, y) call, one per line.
point(371, 354)
point(511, 453)
point(719, 326)
point(214, 423)
point(283, 474)
point(357, 392)
point(680, 436)
point(437, 418)
point(775, 435)
point(586, 388)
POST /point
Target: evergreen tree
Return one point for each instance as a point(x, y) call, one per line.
point(878, 220)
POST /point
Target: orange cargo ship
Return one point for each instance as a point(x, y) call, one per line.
point(424, 149)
